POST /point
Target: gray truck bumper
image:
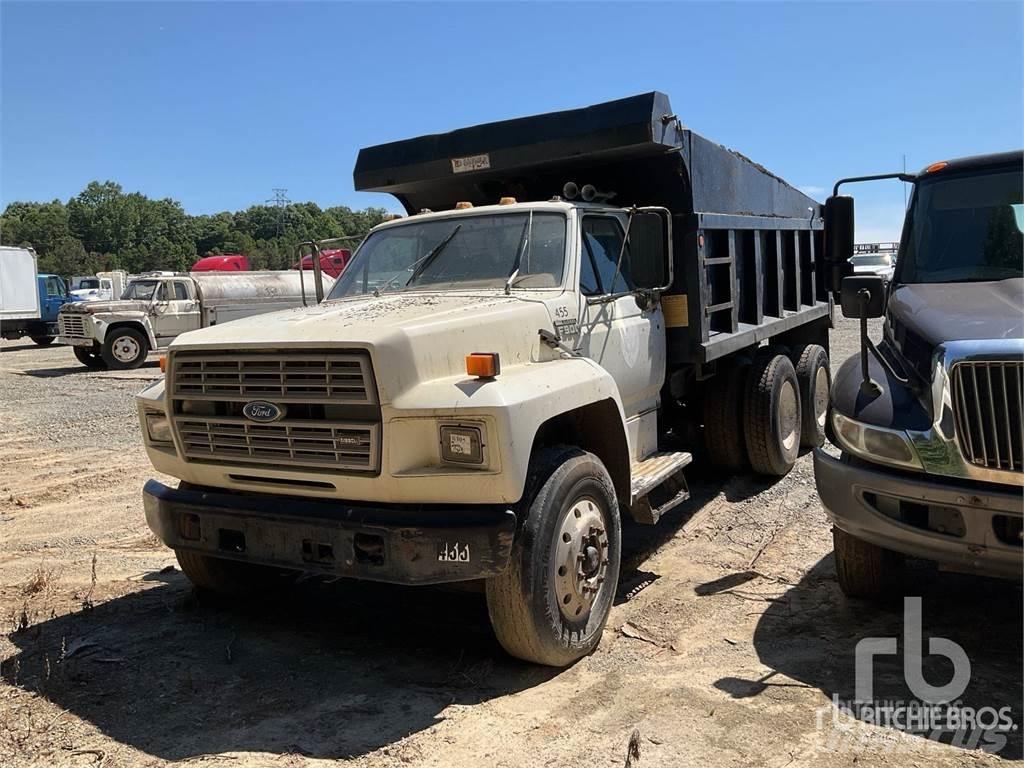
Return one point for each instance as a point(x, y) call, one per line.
point(894, 510)
point(424, 544)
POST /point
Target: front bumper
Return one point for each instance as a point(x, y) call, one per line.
point(402, 544)
point(854, 495)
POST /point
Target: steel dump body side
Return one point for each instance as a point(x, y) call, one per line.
point(747, 245)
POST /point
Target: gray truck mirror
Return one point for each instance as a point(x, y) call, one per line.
point(838, 240)
point(863, 296)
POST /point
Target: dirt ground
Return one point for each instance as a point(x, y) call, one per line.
point(727, 642)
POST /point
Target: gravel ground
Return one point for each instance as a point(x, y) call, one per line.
point(727, 642)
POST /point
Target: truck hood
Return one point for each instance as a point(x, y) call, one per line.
point(106, 307)
point(413, 337)
point(940, 312)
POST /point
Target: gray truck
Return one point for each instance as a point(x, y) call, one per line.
point(929, 421)
point(156, 308)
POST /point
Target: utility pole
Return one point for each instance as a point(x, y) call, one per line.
point(280, 201)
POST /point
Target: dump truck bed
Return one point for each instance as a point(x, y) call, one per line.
point(747, 244)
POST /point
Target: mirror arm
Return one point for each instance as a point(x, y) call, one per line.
point(868, 386)
point(911, 177)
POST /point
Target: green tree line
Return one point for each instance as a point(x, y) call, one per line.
point(104, 228)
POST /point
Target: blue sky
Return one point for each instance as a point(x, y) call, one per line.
point(215, 104)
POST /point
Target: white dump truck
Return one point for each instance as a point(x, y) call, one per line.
point(103, 286)
point(156, 308)
point(577, 305)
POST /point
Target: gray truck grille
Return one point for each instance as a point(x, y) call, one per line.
point(71, 326)
point(308, 376)
point(989, 403)
point(308, 444)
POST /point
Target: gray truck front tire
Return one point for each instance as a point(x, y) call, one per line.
point(865, 570)
point(551, 604)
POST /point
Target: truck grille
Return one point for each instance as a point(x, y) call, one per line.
point(310, 444)
point(308, 376)
point(71, 326)
point(989, 402)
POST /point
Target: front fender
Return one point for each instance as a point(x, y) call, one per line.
point(141, 323)
point(896, 407)
point(515, 405)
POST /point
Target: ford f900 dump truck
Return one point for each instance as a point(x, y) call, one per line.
point(576, 304)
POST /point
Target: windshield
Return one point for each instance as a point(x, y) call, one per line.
point(521, 250)
point(964, 229)
point(140, 289)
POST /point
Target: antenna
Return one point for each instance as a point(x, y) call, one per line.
point(280, 201)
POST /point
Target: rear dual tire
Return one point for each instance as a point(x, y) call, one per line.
point(772, 414)
point(89, 358)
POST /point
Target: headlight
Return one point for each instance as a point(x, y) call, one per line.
point(877, 444)
point(462, 444)
point(159, 428)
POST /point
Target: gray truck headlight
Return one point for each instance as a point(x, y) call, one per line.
point(877, 444)
point(462, 444)
point(159, 427)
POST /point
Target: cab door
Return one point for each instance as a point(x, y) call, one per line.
point(54, 296)
point(175, 310)
point(626, 340)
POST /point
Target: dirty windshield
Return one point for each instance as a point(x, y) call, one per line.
point(520, 250)
point(964, 229)
point(140, 289)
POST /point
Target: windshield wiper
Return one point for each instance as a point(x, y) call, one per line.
point(427, 260)
point(524, 243)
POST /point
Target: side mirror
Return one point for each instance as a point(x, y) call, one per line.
point(838, 240)
point(650, 247)
point(863, 296)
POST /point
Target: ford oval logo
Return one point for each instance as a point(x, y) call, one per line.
point(262, 411)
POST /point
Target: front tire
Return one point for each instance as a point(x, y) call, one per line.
point(865, 570)
point(125, 348)
point(551, 604)
point(229, 578)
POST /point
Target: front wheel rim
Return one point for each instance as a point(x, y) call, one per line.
point(580, 560)
point(125, 349)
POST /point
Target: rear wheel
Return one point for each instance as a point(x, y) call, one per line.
point(125, 348)
point(771, 414)
point(43, 341)
point(551, 604)
point(864, 569)
point(815, 379)
point(88, 357)
point(723, 418)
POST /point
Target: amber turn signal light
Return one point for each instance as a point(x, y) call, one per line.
point(163, 363)
point(483, 365)
point(936, 167)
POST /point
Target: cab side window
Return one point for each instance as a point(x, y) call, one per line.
point(54, 287)
point(180, 291)
point(602, 244)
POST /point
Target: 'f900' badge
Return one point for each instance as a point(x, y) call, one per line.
point(262, 411)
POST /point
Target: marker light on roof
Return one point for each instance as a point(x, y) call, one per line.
point(507, 201)
point(936, 167)
point(462, 205)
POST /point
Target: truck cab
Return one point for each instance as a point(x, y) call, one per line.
point(929, 422)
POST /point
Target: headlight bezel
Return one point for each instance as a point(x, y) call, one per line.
point(476, 436)
point(854, 436)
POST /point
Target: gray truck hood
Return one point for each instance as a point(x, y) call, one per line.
point(106, 307)
point(940, 312)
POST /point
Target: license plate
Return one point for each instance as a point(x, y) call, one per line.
point(452, 552)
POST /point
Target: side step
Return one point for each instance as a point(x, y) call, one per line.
point(660, 474)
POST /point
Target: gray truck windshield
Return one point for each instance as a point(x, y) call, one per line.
point(964, 229)
point(523, 250)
